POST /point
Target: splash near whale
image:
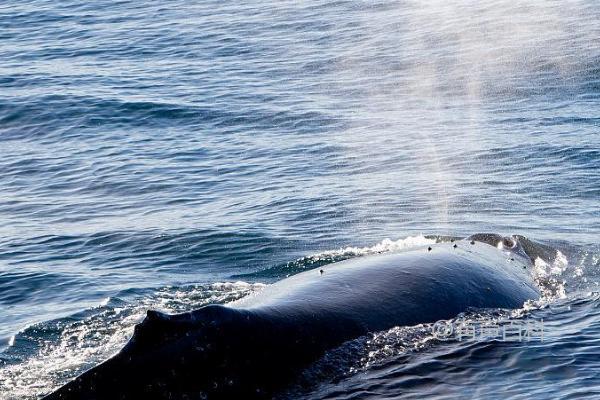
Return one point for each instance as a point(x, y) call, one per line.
point(254, 347)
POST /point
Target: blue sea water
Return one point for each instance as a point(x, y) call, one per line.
point(171, 154)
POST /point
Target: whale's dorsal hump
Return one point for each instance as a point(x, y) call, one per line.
point(507, 243)
point(493, 239)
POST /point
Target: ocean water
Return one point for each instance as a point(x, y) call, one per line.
point(171, 154)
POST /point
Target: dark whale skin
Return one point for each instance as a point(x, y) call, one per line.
point(254, 347)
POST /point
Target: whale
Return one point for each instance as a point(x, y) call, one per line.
point(254, 347)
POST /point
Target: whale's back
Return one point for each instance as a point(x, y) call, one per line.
point(256, 345)
point(420, 285)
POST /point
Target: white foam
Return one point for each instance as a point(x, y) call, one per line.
point(548, 277)
point(385, 246)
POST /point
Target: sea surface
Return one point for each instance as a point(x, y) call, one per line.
point(165, 155)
